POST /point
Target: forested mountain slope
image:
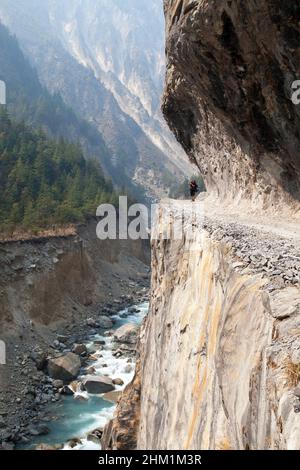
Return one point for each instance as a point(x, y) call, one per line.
point(29, 101)
point(106, 59)
point(45, 181)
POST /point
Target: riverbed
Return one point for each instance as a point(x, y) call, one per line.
point(74, 417)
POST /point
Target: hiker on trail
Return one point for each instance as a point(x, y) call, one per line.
point(193, 189)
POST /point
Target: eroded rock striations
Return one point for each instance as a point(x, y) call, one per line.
point(220, 360)
point(220, 352)
point(122, 431)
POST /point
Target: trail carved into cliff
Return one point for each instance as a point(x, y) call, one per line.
point(220, 354)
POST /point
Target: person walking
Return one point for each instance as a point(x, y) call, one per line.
point(193, 189)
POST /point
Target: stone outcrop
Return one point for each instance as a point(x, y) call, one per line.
point(64, 368)
point(97, 384)
point(126, 334)
point(220, 349)
point(231, 65)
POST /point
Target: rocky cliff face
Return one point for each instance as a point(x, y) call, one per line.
point(220, 349)
point(220, 354)
point(122, 42)
point(122, 431)
point(54, 285)
point(230, 71)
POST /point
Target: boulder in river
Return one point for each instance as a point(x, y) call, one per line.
point(49, 447)
point(62, 339)
point(97, 384)
point(95, 436)
point(76, 386)
point(92, 438)
point(58, 384)
point(126, 334)
point(118, 382)
point(133, 310)
point(65, 367)
point(92, 323)
point(94, 357)
point(118, 353)
point(108, 333)
point(39, 430)
point(74, 442)
point(66, 390)
point(105, 322)
point(79, 349)
point(127, 348)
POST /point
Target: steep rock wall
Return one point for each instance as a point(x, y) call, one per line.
point(220, 355)
point(230, 69)
point(220, 349)
point(217, 361)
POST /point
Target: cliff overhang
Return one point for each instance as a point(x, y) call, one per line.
point(230, 70)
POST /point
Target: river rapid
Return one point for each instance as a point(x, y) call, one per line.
point(71, 420)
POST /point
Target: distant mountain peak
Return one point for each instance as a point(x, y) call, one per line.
point(114, 51)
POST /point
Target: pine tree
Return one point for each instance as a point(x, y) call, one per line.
point(45, 181)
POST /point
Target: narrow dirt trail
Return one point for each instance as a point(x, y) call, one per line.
point(268, 246)
point(263, 225)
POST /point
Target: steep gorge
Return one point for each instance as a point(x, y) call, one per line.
point(220, 356)
point(220, 349)
point(106, 60)
point(51, 286)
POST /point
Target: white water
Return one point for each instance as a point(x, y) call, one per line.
point(115, 369)
point(77, 416)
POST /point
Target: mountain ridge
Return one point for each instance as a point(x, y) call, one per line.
point(67, 59)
